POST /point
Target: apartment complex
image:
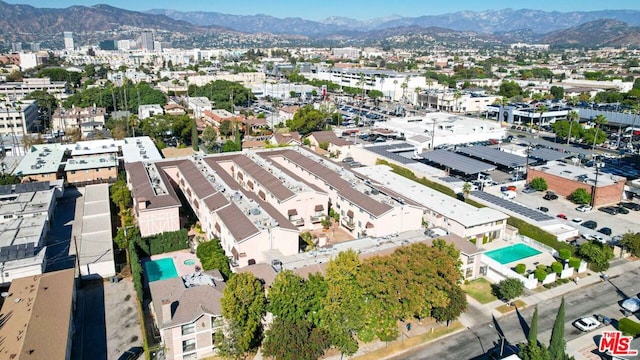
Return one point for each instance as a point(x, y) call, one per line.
point(20, 89)
point(38, 317)
point(187, 313)
point(258, 202)
point(86, 120)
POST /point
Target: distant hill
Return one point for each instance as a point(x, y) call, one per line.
point(486, 22)
point(28, 19)
point(604, 32)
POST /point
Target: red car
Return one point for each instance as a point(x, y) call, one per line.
point(562, 216)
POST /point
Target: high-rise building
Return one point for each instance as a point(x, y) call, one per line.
point(108, 45)
point(146, 40)
point(68, 40)
point(35, 46)
point(16, 46)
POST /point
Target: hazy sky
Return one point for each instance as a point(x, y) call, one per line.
point(359, 9)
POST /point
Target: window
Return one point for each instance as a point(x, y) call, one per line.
point(188, 329)
point(471, 260)
point(188, 345)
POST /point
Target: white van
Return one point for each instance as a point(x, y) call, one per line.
point(509, 194)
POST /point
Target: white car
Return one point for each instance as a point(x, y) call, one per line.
point(587, 323)
point(577, 220)
point(584, 208)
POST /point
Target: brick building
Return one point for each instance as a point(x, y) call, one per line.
point(563, 179)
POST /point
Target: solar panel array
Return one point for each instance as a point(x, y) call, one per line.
point(24, 188)
point(385, 150)
point(532, 214)
point(17, 252)
point(457, 162)
point(552, 145)
point(494, 156)
point(548, 154)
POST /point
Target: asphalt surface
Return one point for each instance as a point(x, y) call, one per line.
point(600, 298)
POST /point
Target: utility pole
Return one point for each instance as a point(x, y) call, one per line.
point(75, 243)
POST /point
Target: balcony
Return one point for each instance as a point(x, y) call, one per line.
point(349, 224)
point(316, 218)
point(297, 221)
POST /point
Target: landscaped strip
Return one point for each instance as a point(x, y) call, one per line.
point(479, 289)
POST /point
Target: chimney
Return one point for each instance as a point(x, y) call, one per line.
point(166, 311)
point(142, 203)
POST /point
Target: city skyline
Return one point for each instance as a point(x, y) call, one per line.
point(357, 9)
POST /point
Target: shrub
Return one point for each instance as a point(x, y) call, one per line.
point(556, 267)
point(580, 196)
point(212, 257)
point(564, 254)
point(539, 184)
point(540, 274)
point(574, 263)
point(629, 327)
point(509, 289)
point(521, 268)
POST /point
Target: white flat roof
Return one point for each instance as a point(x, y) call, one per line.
point(92, 162)
point(578, 173)
point(141, 148)
point(447, 125)
point(452, 208)
point(41, 159)
point(96, 245)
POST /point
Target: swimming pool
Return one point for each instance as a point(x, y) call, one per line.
point(512, 253)
point(160, 269)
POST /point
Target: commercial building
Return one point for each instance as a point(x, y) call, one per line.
point(25, 213)
point(68, 41)
point(456, 101)
point(187, 313)
point(564, 178)
point(18, 117)
point(146, 41)
point(38, 317)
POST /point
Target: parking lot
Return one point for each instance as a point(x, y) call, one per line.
point(620, 223)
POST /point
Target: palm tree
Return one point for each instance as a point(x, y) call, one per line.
point(466, 189)
point(404, 86)
point(571, 116)
point(541, 110)
point(457, 95)
point(599, 120)
point(417, 90)
point(395, 91)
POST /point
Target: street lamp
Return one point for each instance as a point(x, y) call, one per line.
point(478, 337)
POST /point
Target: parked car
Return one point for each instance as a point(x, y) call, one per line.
point(630, 205)
point(348, 159)
point(132, 354)
point(621, 210)
point(590, 224)
point(587, 324)
point(550, 196)
point(543, 209)
point(577, 220)
point(605, 230)
point(562, 216)
point(609, 210)
point(529, 190)
point(584, 208)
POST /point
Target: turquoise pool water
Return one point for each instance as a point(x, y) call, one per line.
point(190, 262)
point(512, 253)
point(160, 269)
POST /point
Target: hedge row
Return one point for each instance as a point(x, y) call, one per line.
point(534, 232)
point(163, 243)
point(629, 327)
point(404, 172)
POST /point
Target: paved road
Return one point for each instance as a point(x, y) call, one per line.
point(602, 297)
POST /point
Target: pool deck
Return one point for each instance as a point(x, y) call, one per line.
point(178, 261)
point(531, 262)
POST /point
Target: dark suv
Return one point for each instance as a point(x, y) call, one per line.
point(609, 210)
point(550, 196)
point(590, 224)
point(631, 206)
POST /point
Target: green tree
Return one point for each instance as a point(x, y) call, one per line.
point(631, 241)
point(230, 146)
point(289, 339)
point(557, 92)
point(596, 254)
point(539, 183)
point(456, 306)
point(209, 138)
point(580, 196)
point(509, 289)
point(194, 137)
point(510, 89)
point(120, 194)
point(212, 256)
point(307, 119)
point(342, 315)
point(532, 350)
point(287, 297)
point(225, 128)
point(557, 343)
point(8, 179)
point(466, 189)
point(243, 306)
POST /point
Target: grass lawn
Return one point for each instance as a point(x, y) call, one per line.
point(506, 308)
point(398, 345)
point(480, 289)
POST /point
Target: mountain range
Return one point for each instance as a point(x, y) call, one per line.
point(592, 28)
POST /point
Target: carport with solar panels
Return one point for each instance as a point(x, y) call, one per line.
point(460, 164)
point(393, 151)
point(500, 158)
